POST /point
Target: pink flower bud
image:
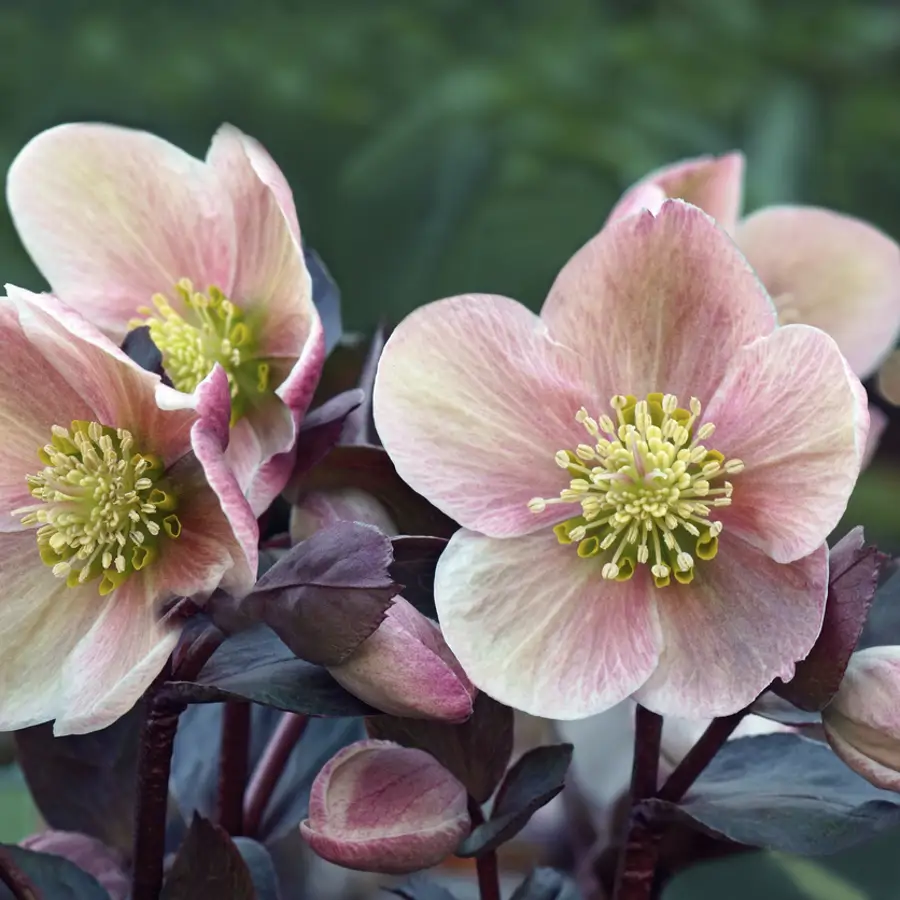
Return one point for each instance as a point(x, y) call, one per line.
point(89, 854)
point(862, 723)
point(406, 669)
point(380, 807)
point(319, 509)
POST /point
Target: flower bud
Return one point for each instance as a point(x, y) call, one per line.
point(89, 854)
point(319, 509)
point(380, 807)
point(406, 669)
point(862, 723)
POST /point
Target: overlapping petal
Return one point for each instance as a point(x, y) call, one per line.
point(743, 621)
point(832, 271)
point(715, 184)
point(658, 303)
point(111, 216)
point(536, 627)
point(472, 401)
point(792, 411)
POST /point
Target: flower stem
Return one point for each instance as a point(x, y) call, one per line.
point(486, 867)
point(700, 756)
point(234, 765)
point(155, 763)
point(19, 884)
point(637, 863)
point(270, 768)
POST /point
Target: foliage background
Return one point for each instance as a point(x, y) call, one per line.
point(443, 146)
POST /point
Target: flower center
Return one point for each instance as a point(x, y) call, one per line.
point(646, 487)
point(213, 330)
point(104, 506)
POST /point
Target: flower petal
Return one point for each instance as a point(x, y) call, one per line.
point(658, 303)
point(33, 398)
point(878, 422)
point(715, 184)
point(41, 621)
point(266, 168)
point(538, 628)
point(115, 662)
point(110, 216)
point(743, 621)
point(472, 401)
point(878, 773)
point(832, 271)
point(796, 416)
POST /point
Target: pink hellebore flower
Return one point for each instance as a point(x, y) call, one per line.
point(820, 267)
point(862, 723)
point(115, 496)
point(645, 474)
point(380, 807)
point(130, 230)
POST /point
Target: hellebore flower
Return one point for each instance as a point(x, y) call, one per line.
point(406, 669)
point(820, 267)
point(130, 230)
point(645, 474)
point(115, 496)
point(380, 807)
point(862, 723)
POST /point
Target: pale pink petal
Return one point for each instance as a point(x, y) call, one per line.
point(832, 271)
point(33, 398)
point(715, 184)
point(41, 621)
point(117, 391)
point(271, 283)
point(115, 662)
point(658, 303)
point(643, 195)
point(112, 216)
point(538, 628)
point(265, 167)
point(743, 621)
point(884, 772)
point(796, 416)
point(472, 401)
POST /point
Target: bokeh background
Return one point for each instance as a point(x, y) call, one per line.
point(443, 146)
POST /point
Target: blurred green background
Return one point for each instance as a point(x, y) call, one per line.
point(443, 146)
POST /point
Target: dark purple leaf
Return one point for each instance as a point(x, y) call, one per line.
point(52, 877)
point(370, 469)
point(853, 577)
point(547, 884)
point(85, 782)
point(139, 346)
point(770, 706)
point(415, 559)
point(360, 427)
point(476, 752)
point(326, 297)
point(255, 665)
point(321, 430)
point(208, 865)
point(324, 597)
point(536, 778)
point(783, 792)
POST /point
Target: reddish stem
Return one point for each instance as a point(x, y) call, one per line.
point(700, 756)
point(234, 765)
point(19, 884)
point(486, 867)
point(637, 863)
point(270, 768)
